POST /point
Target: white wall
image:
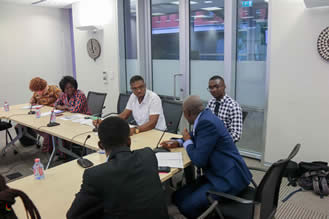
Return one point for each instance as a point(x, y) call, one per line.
point(34, 41)
point(90, 72)
point(298, 107)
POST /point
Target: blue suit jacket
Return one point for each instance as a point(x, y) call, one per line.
point(213, 150)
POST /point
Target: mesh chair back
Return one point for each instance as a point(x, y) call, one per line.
point(267, 193)
point(172, 111)
point(164, 97)
point(95, 102)
point(244, 115)
point(122, 103)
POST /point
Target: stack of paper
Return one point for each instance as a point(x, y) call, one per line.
point(170, 159)
point(72, 117)
point(87, 122)
point(33, 107)
point(48, 113)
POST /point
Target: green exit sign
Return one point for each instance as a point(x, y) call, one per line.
point(246, 4)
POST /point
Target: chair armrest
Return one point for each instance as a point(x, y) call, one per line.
point(257, 169)
point(254, 183)
point(108, 114)
point(231, 197)
point(209, 210)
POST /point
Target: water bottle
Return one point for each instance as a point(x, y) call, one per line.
point(38, 113)
point(52, 117)
point(6, 106)
point(38, 169)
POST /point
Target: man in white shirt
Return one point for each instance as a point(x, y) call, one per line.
point(145, 106)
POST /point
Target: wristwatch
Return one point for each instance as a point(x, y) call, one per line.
point(136, 130)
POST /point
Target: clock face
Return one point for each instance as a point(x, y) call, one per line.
point(323, 44)
point(94, 49)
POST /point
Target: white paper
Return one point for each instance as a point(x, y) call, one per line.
point(170, 159)
point(79, 120)
point(48, 113)
point(72, 117)
point(33, 107)
point(87, 122)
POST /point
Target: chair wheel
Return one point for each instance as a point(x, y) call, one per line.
point(15, 152)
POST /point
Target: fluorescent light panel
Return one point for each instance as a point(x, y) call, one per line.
point(201, 16)
point(157, 14)
point(177, 2)
point(212, 8)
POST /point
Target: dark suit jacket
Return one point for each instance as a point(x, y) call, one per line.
point(214, 150)
point(126, 187)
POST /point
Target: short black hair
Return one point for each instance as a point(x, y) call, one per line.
point(113, 132)
point(217, 77)
point(135, 78)
point(68, 80)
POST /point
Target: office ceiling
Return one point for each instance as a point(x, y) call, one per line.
point(47, 3)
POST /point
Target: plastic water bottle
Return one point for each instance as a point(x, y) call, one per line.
point(38, 113)
point(6, 106)
point(38, 169)
point(52, 117)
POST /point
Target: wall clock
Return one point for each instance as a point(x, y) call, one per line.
point(323, 44)
point(93, 49)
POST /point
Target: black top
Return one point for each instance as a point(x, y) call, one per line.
point(126, 187)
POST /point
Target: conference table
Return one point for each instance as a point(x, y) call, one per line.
point(54, 194)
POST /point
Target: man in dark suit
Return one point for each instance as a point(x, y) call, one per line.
point(211, 148)
point(127, 186)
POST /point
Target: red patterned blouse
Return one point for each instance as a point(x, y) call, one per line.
point(77, 103)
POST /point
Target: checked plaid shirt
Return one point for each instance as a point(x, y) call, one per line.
point(230, 112)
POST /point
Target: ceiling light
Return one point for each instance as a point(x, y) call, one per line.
point(177, 2)
point(207, 2)
point(212, 8)
point(201, 16)
point(157, 14)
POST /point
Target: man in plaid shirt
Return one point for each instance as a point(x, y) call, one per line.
point(223, 106)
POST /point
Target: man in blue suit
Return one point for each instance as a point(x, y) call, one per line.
point(211, 148)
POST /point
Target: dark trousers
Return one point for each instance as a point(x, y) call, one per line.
point(192, 200)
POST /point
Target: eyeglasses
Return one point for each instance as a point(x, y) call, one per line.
point(214, 87)
point(138, 88)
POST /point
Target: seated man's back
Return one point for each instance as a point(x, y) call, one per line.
point(126, 186)
point(130, 184)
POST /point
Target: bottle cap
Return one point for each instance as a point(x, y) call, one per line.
point(37, 160)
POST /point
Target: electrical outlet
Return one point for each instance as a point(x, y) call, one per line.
point(105, 77)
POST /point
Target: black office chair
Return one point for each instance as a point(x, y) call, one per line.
point(122, 102)
point(5, 126)
point(95, 102)
point(260, 202)
point(121, 106)
point(172, 111)
point(244, 115)
point(165, 97)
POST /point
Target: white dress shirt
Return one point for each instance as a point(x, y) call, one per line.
point(151, 105)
